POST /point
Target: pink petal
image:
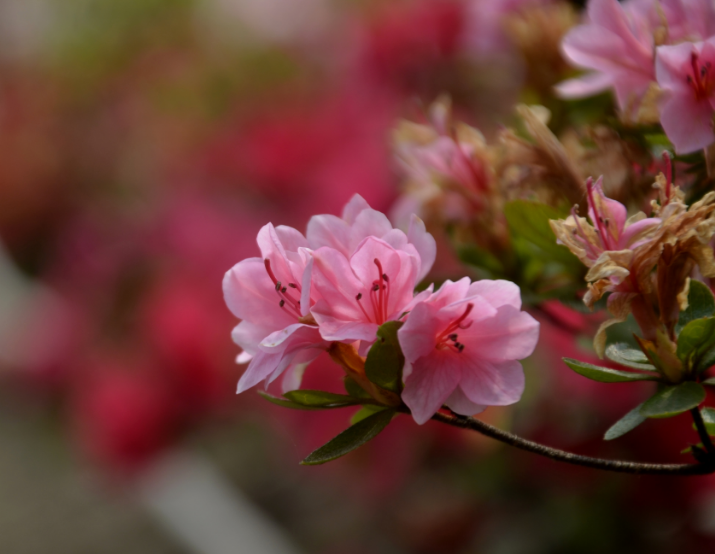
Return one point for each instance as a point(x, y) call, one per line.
point(492, 383)
point(498, 293)
point(451, 292)
point(248, 336)
point(431, 381)
point(335, 284)
point(672, 67)
point(509, 335)
point(370, 223)
point(400, 268)
point(459, 403)
point(329, 230)
point(631, 237)
point(424, 243)
point(292, 337)
point(586, 85)
point(417, 336)
point(351, 210)
point(687, 123)
point(251, 295)
point(606, 209)
point(261, 366)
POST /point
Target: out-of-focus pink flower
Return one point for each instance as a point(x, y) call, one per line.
point(617, 44)
point(357, 295)
point(461, 348)
point(272, 298)
point(686, 72)
point(360, 221)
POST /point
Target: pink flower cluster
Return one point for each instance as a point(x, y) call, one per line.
point(629, 47)
point(350, 275)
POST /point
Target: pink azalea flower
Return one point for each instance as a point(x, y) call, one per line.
point(360, 221)
point(271, 295)
point(686, 73)
point(358, 294)
point(617, 44)
point(461, 348)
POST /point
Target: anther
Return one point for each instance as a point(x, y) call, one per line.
point(384, 277)
point(453, 337)
point(375, 287)
point(282, 303)
point(359, 296)
point(284, 290)
point(293, 285)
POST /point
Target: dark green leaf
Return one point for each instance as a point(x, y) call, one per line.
point(671, 401)
point(706, 361)
point(709, 420)
point(626, 424)
point(320, 399)
point(286, 403)
point(385, 360)
point(364, 412)
point(624, 354)
point(605, 374)
point(701, 303)
point(695, 342)
point(530, 221)
point(478, 257)
point(351, 438)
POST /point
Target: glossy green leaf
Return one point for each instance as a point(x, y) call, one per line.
point(709, 420)
point(320, 399)
point(530, 221)
point(364, 412)
point(286, 403)
point(626, 424)
point(384, 362)
point(624, 354)
point(606, 374)
point(671, 401)
point(701, 303)
point(695, 343)
point(353, 437)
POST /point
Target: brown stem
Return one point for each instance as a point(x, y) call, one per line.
point(574, 459)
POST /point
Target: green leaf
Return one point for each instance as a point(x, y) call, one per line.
point(624, 354)
point(701, 303)
point(695, 343)
point(364, 412)
point(626, 424)
point(708, 381)
point(351, 438)
point(605, 374)
point(709, 420)
point(320, 399)
point(286, 403)
point(384, 362)
point(353, 389)
point(530, 221)
point(671, 401)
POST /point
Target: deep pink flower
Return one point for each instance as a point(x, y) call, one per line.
point(686, 73)
point(461, 348)
point(358, 294)
point(271, 296)
point(360, 221)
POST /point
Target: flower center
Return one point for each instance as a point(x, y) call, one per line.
point(448, 337)
point(286, 300)
point(379, 295)
point(701, 80)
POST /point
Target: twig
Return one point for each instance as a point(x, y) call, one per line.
point(575, 459)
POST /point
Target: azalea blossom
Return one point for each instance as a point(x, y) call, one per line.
point(462, 347)
point(271, 296)
point(685, 72)
point(610, 229)
point(360, 221)
point(355, 295)
point(619, 41)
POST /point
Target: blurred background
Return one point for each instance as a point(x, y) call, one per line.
point(143, 143)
